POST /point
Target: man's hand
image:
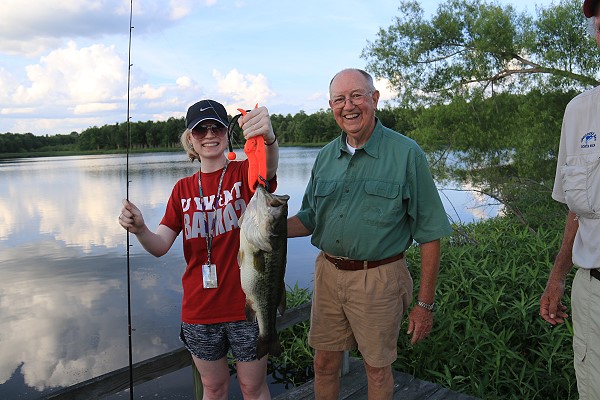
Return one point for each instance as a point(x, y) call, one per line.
point(420, 323)
point(551, 308)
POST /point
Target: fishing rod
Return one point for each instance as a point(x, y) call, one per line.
point(128, 145)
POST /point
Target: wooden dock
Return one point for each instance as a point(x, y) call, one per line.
point(353, 380)
point(353, 386)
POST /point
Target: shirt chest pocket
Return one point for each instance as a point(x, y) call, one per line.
point(581, 183)
point(381, 205)
point(323, 190)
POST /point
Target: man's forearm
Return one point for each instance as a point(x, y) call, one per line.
point(430, 265)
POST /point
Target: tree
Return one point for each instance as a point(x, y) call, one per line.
point(504, 145)
point(473, 47)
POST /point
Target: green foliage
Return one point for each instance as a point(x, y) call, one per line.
point(560, 35)
point(470, 47)
point(295, 365)
point(505, 145)
point(488, 338)
point(27, 142)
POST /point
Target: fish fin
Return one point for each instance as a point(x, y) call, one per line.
point(249, 311)
point(282, 304)
point(268, 344)
point(240, 258)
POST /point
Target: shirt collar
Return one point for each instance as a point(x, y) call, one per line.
point(372, 145)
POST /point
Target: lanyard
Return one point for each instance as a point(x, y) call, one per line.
point(210, 232)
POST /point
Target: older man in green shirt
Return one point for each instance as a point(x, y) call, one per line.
point(369, 197)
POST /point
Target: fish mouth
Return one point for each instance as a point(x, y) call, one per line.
point(277, 202)
point(272, 199)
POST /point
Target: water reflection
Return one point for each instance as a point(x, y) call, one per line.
point(63, 264)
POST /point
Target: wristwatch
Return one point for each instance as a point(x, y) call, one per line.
point(428, 307)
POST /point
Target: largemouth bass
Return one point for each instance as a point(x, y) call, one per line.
point(262, 259)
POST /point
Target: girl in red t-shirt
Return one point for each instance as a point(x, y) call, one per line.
point(206, 207)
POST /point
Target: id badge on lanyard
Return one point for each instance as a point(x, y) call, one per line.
point(209, 276)
point(209, 270)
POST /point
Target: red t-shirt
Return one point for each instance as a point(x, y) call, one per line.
point(184, 214)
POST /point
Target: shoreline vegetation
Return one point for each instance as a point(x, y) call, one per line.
point(172, 149)
point(488, 339)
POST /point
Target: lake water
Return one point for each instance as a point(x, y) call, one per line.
point(63, 264)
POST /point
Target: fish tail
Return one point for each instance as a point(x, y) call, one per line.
point(268, 344)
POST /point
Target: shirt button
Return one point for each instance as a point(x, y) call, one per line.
point(337, 242)
point(347, 190)
point(341, 215)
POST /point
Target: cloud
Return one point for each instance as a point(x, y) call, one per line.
point(31, 30)
point(72, 88)
point(78, 304)
point(89, 74)
point(184, 82)
point(319, 96)
point(245, 90)
point(387, 92)
point(149, 92)
point(91, 108)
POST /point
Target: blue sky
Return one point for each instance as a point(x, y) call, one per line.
point(63, 63)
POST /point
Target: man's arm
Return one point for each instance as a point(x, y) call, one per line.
point(296, 228)
point(420, 320)
point(551, 308)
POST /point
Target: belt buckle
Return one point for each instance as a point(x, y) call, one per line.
point(337, 260)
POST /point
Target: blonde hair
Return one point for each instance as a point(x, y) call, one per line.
point(187, 145)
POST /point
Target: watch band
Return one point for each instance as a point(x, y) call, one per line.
point(428, 307)
point(274, 140)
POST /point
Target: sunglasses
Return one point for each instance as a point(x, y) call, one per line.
point(200, 131)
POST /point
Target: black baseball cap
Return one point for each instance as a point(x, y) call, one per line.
point(589, 7)
point(206, 110)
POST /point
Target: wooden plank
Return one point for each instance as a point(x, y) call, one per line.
point(117, 381)
point(303, 392)
point(345, 363)
point(407, 387)
point(293, 316)
point(353, 386)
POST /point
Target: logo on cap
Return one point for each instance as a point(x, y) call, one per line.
point(206, 110)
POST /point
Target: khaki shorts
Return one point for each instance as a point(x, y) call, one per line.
point(585, 304)
point(360, 309)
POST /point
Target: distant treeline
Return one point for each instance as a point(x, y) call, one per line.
point(458, 125)
point(299, 128)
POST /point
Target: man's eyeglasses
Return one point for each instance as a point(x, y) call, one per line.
point(200, 131)
point(355, 98)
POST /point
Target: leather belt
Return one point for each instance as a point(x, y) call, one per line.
point(347, 264)
point(595, 273)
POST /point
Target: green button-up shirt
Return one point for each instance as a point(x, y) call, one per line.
point(371, 205)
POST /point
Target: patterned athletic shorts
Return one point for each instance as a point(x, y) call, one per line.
point(212, 342)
